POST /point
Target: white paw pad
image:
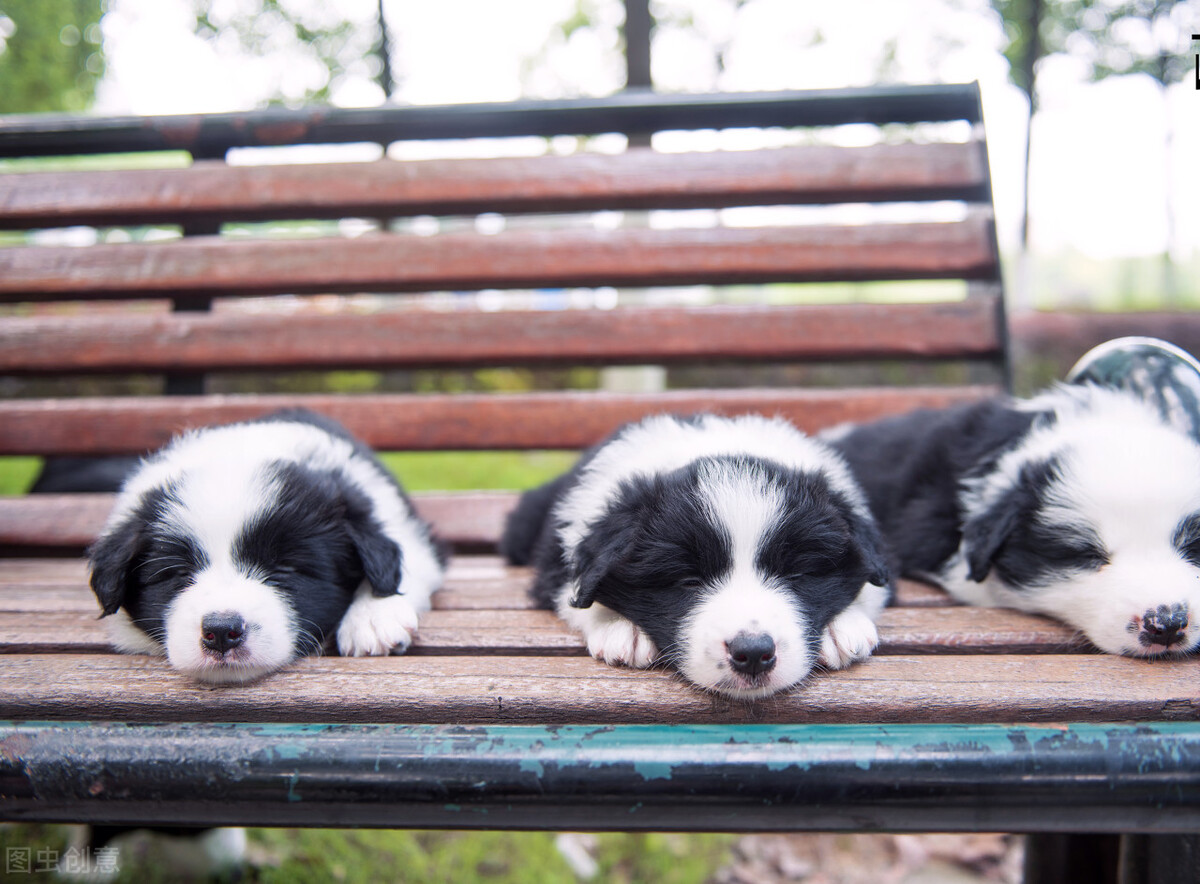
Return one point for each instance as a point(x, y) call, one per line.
point(851, 636)
point(618, 641)
point(377, 626)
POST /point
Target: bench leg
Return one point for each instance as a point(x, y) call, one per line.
point(1160, 859)
point(1057, 858)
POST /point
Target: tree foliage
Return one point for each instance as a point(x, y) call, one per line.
point(51, 55)
point(1135, 37)
point(312, 48)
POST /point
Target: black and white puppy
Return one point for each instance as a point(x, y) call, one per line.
point(1081, 504)
point(738, 550)
point(236, 549)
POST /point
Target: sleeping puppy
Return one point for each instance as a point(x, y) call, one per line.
point(237, 549)
point(738, 550)
point(1081, 504)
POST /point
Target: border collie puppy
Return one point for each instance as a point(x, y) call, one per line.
point(1082, 504)
point(738, 550)
point(236, 549)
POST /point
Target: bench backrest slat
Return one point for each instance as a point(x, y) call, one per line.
point(406, 236)
point(231, 340)
point(639, 179)
point(517, 259)
point(435, 422)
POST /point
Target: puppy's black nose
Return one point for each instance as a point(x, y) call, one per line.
point(752, 653)
point(1164, 625)
point(222, 632)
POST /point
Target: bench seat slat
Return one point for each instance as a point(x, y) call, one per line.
point(233, 340)
point(473, 583)
point(430, 422)
point(958, 630)
point(577, 690)
point(210, 266)
point(638, 179)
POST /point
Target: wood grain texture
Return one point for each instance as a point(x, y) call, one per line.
point(77, 628)
point(412, 339)
point(439, 422)
point(473, 582)
point(215, 266)
point(637, 179)
point(579, 690)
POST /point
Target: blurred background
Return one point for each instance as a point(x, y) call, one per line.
point(1113, 211)
point(1092, 110)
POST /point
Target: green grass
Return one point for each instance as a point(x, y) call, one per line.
point(481, 470)
point(365, 856)
point(17, 474)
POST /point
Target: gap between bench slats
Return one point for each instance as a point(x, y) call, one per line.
point(210, 266)
point(572, 690)
point(230, 340)
point(440, 422)
point(638, 179)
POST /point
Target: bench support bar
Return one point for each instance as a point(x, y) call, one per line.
point(1076, 778)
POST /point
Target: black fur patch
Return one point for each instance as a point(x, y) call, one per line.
point(302, 544)
point(118, 557)
point(1187, 539)
point(912, 466)
point(653, 553)
point(1012, 537)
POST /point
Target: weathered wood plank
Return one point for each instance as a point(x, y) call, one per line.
point(638, 179)
point(579, 690)
point(210, 266)
point(512, 631)
point(439, 422)
point(228, 340)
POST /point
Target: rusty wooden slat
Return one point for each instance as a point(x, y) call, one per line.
point(579, 690)
point(638, 179)
point(466, 421)
point(509, 631)
point(209, 266)
point(233, 340)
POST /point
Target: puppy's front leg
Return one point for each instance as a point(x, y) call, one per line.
point(374, 626)
point(851, 635)
point(611, 637)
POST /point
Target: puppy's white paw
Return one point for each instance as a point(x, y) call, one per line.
point(376, 626)
point(851, 636)
point(618, 641)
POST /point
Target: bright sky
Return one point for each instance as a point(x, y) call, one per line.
point(1099, 161)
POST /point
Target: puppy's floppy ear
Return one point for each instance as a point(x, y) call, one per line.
point(597, 555)
point(985, 532)
point(871, 547)
point(112, 559)
point(381, 557)
point(613, 539)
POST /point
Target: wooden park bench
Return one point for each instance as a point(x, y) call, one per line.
point(735, 269)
